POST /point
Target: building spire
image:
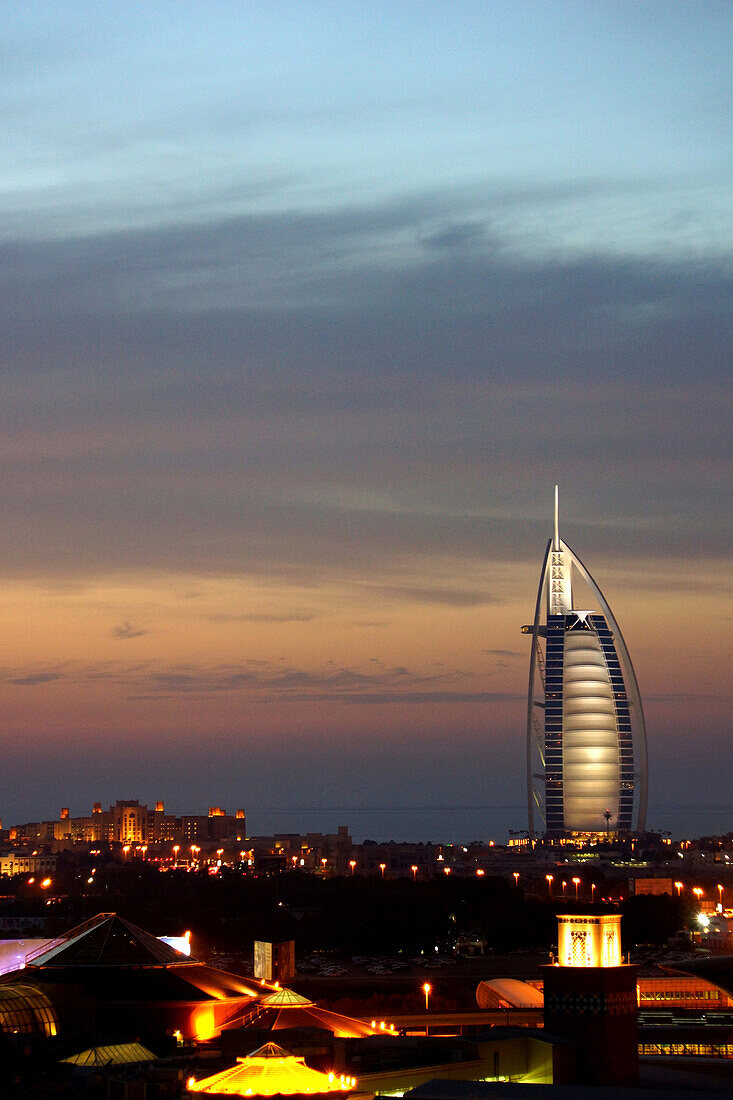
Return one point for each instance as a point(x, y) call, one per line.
point(556, 544)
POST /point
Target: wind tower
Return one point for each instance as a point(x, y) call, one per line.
point(586, 738)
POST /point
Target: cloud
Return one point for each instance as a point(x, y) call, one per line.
point(365, 389)
point(33, 679)
point(127, 630)
point(263, 681)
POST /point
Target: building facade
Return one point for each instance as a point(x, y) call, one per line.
point(586, 740)
point(129, 822)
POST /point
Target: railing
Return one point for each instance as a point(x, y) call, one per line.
point(77, 930)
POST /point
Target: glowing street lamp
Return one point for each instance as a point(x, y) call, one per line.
point(549, 879)
point(480, 872)
point(576, 884)
point(352, 865)
point(427, 989)
point(414, 871)
point(176, 850)
point(446, 870)
point(592, 891)
point(720, 895)
point(563, 887)
point(125, 850)
point(381, 869)
point(678, 887)
point(515, 876)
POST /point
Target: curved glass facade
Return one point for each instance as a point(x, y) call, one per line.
point(25, 1010)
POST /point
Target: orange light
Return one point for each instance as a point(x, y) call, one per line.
point(480, 871)
point(46, 883)
point(427, 990)
point(515, 876)
point(381, 868)
point(414, 871)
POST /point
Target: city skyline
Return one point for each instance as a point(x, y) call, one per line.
point(305, 313)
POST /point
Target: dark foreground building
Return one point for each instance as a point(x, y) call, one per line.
point(108, 979)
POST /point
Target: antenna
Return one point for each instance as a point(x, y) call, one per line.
point(556, 544)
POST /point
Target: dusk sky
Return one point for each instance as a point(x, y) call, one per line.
point(306, 307)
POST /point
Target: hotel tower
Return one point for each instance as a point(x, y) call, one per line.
point(586, 741)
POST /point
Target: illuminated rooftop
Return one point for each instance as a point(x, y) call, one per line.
point(270, 1071)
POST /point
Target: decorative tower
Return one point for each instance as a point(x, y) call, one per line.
point(586, 739)
point(590, 997)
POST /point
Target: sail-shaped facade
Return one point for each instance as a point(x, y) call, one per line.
point(586, 740)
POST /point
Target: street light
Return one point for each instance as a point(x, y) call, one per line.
point(427, 989)
point(352, 865)
point(576, 884)
point(515, 876)
point(698, 892)
point(549, 879)
point(414, 871)
point(143, 849)
point(381, 869)
point(125, 850)
point(176, 850)
point(678, 887)
point(720, 896)
point(563, 887)
point(592, 891)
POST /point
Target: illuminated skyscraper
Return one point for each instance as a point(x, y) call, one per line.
point(586, 741)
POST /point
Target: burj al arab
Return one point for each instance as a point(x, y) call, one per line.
point(586, 739)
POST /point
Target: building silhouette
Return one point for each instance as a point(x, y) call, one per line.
point(586, 739)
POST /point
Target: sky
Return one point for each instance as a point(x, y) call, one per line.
point(305, 309)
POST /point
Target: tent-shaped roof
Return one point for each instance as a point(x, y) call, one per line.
point(270, 1071)
point(107, 940)
point(285, 998)
point(118, 1054)
point(285, 1009)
